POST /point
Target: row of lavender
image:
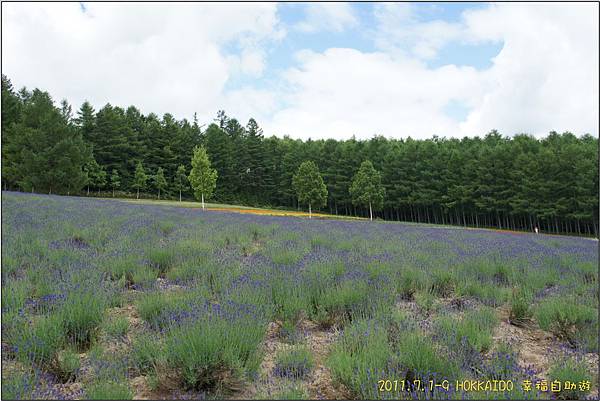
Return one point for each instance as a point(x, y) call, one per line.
point(68, 264)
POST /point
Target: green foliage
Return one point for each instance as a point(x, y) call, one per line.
point(570, 369)
point(291, 393)
point(296, 362)
point(159, 180)
point(359, 355)
point(116, 326)
point(409, 282)
point(418, 355)
point(309, 186)
point(474, 329)
point(442, 282)
point(515, 182)
point(140, 178)
point(109, 390)
point(41, 343)
point(565, 317)
point(18, 385)
point(68, 364)
point(147, 352)
point(200, 350)
point(203, 177)
point(115, 180)
point(181, 182)
point(520, 306)
point(366, 188)
point(81, 315)
point(426, 301)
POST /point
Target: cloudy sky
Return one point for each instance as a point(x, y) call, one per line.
point(320, 70)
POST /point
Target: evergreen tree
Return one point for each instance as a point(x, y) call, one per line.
point(203, 177)
point(517, 182)
point(159, 180)
point(51, 153)
point(11, 115)
point(366, 188)
point(140, 178)
point(181, 180)
point(115, 181)
point(309, 186)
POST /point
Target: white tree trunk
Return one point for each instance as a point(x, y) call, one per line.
point(179, 196)
point(202, 201)
point(88, 194)
point(370, 211)
point(138, 194)
point(309, 211)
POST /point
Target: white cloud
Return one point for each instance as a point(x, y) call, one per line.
point(159, 57)
point(188, 57)
point(399, 31)
point(545, 78)
point(334, 17)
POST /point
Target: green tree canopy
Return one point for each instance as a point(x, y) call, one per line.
point(96, 176)
point(202, 176)
point(159, 180)
point(140, 178)
point(366, 188)
point(181, 180)
point(309, 186)
point(115, 180)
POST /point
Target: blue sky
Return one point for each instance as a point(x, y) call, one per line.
point(320, 70)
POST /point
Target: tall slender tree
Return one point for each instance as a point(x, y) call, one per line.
point(115, 181)
point(159, 180)
point(203, 177)
point(366, 188)
point(140, 178)
point(309, 186)
point(181, 180)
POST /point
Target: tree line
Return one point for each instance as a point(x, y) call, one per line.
point(517, 182)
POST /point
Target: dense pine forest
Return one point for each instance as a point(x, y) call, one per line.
point(517, 182)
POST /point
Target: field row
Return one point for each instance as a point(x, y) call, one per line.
point(105, 299)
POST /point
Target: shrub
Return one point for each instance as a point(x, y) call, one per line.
point(442, 282)
point(291, 393)
point(502, 364)
point(151, 306)
point(18, 385)
point(161, 259)
point(573, 370)
point(475, 329)
point(426, 301)
point(359, 355)
point(294, 363)
point(409, 282)
point(519, 306)
point(202, 350)
point(421, 359)
point(109, 391)
point(68, 364)
point(346, 301)
point(488, 293)
point(81, 315)
point(563, 317)
point(41, 343)
point(146, 353)
point(122, 268)
point(144, 276)
point(116, 326)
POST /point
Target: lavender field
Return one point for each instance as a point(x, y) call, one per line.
point(109, 300)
